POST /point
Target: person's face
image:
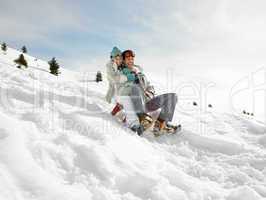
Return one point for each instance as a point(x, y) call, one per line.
point(118, 60)
point(129, 61)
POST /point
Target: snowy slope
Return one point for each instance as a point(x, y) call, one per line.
point(58, 141)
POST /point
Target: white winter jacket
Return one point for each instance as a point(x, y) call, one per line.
point(116, 79)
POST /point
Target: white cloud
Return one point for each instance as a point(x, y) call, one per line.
point(178, 26)
point(37, 20)
point(194, 36)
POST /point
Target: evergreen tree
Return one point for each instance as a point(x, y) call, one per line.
point(21, 61)
point(99, 77)
point(54, 66)
point(4, 47)
point(24, 49)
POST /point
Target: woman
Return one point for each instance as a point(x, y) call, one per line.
point(117, 80)
point(114, 75)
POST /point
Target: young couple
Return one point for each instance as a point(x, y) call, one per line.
point(133, 93)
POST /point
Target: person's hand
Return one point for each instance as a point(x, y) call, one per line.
point(150, 89)
point(136, 80)
point(150, 92)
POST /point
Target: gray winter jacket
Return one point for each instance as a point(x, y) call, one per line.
point(148, 91)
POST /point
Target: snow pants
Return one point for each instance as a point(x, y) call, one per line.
point(165, 102)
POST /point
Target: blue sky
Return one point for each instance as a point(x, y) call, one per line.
point(80, 29)
point(192, 36)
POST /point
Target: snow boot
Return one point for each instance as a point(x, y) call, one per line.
point(139, 129)
point(118, 107)
point(119, 113)
point(161, 127)
point(145, 120)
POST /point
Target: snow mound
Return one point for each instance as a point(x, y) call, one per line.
point(244, 193)
point(58, 141)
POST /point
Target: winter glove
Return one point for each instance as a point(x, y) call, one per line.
point(136, 80)
point(150, 92)
point(150, 89)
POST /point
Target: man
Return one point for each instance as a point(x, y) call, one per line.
point(144, 100)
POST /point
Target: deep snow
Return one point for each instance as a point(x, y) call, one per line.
point(58, 141)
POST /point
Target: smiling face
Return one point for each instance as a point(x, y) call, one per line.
point(118, 60)
point(129, 61)
point(128, 57)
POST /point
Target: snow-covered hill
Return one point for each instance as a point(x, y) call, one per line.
point(58, 141)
